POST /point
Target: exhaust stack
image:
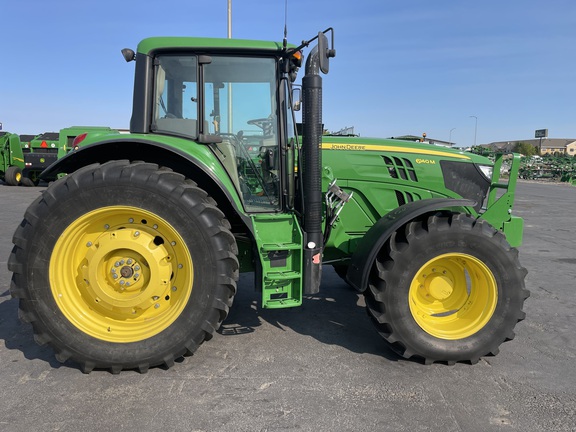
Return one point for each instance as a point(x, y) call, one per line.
point(318, 61)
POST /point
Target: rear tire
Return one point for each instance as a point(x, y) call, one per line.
point(447, 289)
point(123, 266)
point(13, 176)
point(27, 182)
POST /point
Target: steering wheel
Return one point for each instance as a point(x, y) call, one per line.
point(265, 124)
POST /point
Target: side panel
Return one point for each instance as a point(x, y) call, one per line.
point(382, 175)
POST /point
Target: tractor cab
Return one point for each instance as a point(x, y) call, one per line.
point(229, 102)
point(230, 95)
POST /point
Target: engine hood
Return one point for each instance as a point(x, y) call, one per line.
point(359, 144)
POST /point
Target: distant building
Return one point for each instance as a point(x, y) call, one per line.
point(558, 146)
point(561, 146)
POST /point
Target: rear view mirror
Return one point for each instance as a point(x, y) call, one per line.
point(323, 58)
point(296, 98)
point(324, 52)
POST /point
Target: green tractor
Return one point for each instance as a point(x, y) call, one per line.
point(132, 259)
point(11, 159)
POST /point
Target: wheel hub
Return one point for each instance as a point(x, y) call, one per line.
point(439, 287)
point(126, 271)
point(125, 288)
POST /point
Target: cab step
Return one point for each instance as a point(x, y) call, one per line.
point(279, 240)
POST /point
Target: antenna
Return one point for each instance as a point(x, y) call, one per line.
point(285, 41)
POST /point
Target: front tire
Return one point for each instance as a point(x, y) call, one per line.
point(447, 289)
point(124, 266)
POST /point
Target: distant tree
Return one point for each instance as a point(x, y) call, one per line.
point(525, 149)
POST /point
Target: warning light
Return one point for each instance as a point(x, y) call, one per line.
point(297, 58)
point(78, 140)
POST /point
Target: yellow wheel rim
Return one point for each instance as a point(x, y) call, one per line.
point(453, 296)
point(18, 177)
point(121, 274)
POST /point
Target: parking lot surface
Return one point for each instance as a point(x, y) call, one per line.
point(320, 367)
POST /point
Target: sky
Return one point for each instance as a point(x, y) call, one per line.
point(469, 72)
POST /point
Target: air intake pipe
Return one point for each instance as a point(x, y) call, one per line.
point(317, 61)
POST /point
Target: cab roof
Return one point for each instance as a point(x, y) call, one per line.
point(148, 45)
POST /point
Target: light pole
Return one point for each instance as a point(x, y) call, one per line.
point(475, 128)
point(230, 125)
point(229, 19)
point(450, 139)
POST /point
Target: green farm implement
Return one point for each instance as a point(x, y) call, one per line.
point(43, 150)
point(11, 159)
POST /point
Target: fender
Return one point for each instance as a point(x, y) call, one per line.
point(365, 254)
point(209, 176)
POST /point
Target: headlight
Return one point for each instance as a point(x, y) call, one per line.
point(487, 170)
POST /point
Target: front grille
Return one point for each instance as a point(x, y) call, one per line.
point(466, 180)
